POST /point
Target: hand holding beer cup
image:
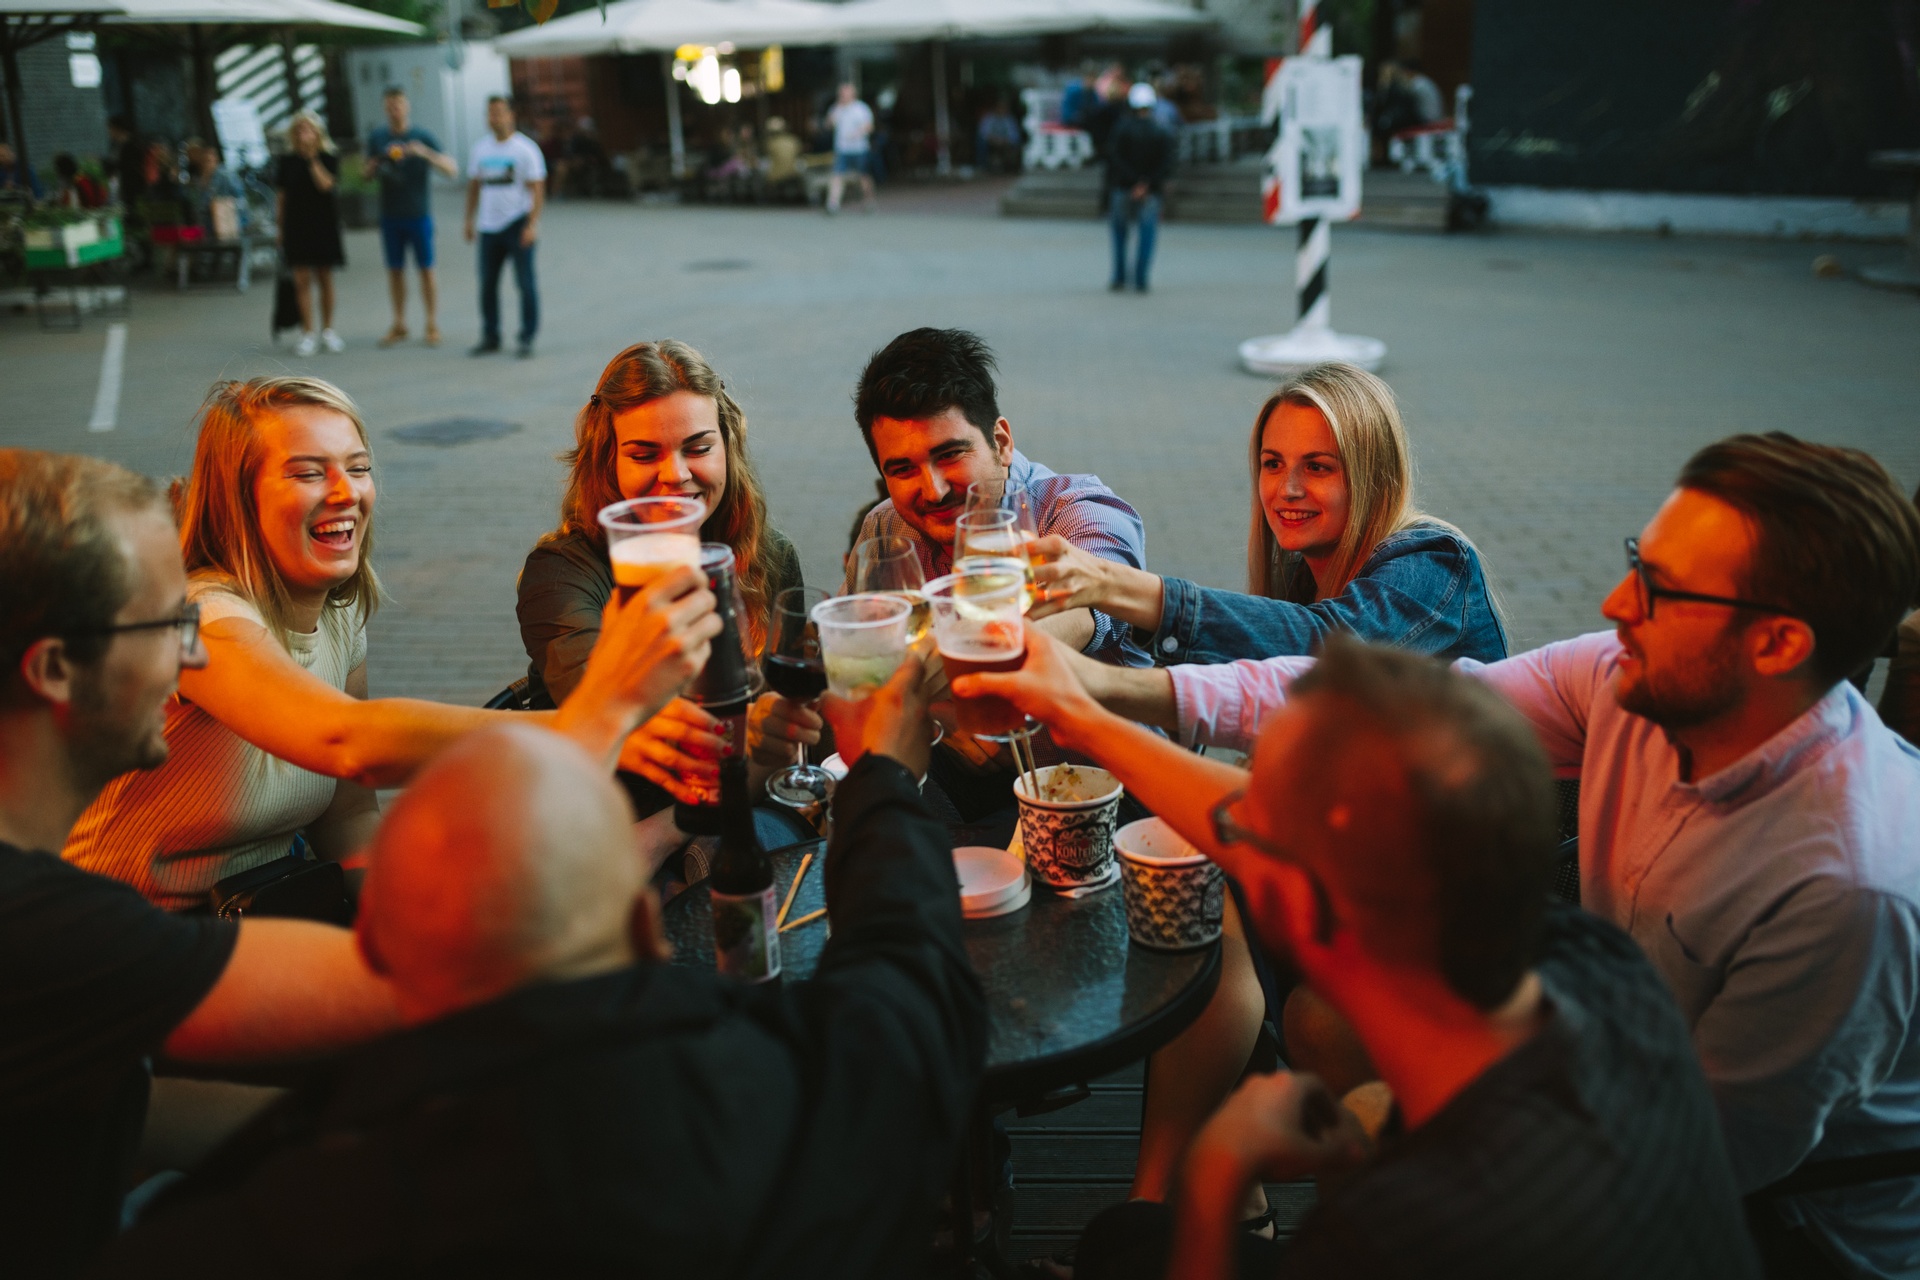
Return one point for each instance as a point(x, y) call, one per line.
point(890, 720)
point(646, 537)
point(1043, 684)
point(977, 626)
point(655, 642)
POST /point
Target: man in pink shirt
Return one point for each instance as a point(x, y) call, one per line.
point(1744, 814)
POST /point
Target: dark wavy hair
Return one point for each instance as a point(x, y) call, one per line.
point(1837, 545)
point(924, 372)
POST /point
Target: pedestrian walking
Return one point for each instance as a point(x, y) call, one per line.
point(506, 189)
point(1140, 156)
point(402, 157)
point(852, 122)
point(308, 214)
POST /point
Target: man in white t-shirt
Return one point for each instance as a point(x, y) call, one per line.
point(852, 122)
point(506, 189)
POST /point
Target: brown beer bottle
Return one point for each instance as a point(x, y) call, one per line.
point(746, 938)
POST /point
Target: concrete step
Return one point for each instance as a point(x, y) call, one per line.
point(1226, 193)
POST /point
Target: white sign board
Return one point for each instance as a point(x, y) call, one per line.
point(1314, 167)
point(243, 143)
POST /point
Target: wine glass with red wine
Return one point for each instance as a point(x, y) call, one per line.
point(795, 670)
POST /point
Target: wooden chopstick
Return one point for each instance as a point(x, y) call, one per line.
point(808, 918)
point(793, 890)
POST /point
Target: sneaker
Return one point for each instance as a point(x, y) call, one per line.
point(332, 341)
point(524, 350)
point(485, 349)
point(308, 344)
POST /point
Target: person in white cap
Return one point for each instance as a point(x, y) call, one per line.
point(1140, 154)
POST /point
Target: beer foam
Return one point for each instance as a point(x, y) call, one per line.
point(644, 556)
point(979, 649)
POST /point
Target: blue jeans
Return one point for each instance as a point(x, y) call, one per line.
point(495, 248)
point(1122, 208)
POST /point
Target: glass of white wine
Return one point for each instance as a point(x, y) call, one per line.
point(990, 536)
point(891, 566)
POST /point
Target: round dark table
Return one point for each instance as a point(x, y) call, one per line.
point(1069, 998)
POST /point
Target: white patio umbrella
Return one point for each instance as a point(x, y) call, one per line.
point(650, 26)
point(211, 24)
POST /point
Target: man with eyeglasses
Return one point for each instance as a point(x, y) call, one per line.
point(95, 629)
point(1393, 837)
point(94, 634)
point(1744, 814)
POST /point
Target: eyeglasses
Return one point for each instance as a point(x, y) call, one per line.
point(1227, 829)
point(1650, 593)
point(186, 622)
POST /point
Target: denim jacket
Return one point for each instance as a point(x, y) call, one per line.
point(1421, 589)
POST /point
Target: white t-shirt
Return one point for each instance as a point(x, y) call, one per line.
point(852, 125)
point(506, 172)
point(219, 805)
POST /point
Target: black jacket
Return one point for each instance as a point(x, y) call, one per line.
point(1138, 150)
point(657, 1121)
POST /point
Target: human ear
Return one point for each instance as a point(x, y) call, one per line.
point(1782, 647)
point(1003, 441)
point(47, 670)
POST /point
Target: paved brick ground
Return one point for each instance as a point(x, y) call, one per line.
point(1553, 385)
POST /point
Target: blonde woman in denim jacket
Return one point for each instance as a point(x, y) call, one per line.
point(1335, 544)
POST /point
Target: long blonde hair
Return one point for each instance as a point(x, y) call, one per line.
point(219, 521)
point(1372, 441)
point(643, 373)
point(325, 142)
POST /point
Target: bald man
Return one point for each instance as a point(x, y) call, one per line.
point(1393, 837)
point(563, 1103)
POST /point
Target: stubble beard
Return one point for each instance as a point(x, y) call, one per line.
point(1684, 699)
point(105, 742)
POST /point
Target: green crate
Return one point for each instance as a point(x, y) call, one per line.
point(75, 245)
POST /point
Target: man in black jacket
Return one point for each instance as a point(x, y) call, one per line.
point(564, 1103)
point(1140, 155)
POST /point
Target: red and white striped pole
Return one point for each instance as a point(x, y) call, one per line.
point(1312, 338)
point(1316, 37)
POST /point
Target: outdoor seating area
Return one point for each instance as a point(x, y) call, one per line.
point(931, 698)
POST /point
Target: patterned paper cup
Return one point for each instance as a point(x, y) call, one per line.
point(1174, 893)
point(1067, 830)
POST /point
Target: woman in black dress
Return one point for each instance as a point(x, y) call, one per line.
point(309, 218)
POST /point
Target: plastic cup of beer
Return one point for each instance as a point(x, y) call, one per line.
point(863, 640)
point(646, 537)
point(976, 624)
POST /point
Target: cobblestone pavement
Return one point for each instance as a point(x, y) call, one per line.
point(1553, 385)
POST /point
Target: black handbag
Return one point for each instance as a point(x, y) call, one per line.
point(295, 887)
point(286, 305)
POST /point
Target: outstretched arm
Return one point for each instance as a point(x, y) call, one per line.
point(1065, 692)
point(292, 988)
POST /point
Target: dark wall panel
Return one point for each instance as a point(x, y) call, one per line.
point(1736, 96)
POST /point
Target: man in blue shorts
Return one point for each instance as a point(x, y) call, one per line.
point(400, 156)
point(852, 122)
